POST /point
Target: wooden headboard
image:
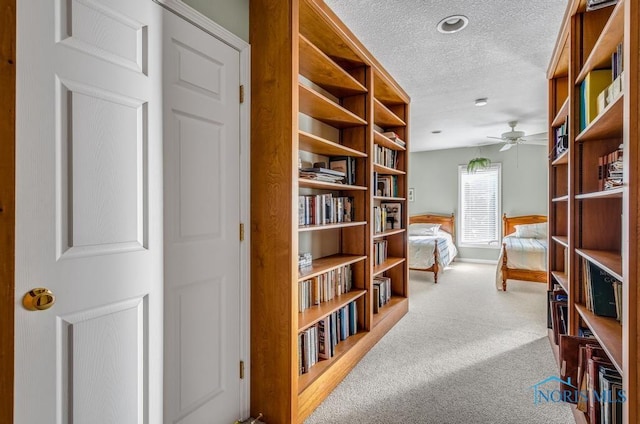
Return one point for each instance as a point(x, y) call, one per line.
point(508, 224)
point(447, 222)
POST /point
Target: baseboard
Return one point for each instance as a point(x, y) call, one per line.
point(478, 261)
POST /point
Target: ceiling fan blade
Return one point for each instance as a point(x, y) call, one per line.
point(497, 138)
point(543, 136)
point(506, 147)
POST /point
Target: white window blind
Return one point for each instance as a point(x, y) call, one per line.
point(479, 194)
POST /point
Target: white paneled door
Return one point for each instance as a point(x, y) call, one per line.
point(201, 233)
point(89, 212)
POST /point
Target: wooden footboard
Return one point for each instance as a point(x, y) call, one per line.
point(447, 223)
point(519, 274)
point(508, 227)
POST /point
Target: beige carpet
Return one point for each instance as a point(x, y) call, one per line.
point(465, 353)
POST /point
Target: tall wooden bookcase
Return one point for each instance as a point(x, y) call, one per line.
point(589, 223)
point(317, 94)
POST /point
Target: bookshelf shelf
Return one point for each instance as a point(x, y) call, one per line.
point(314, 314)
point(563, 159)
point(386, 91)
point(381, 169)
point(563, 240)
point(387, 310)
point(608, 332)
point(321, 108)
point(320, 68)
point(612, 34)
point(562, 279)
point(317, 91)
point(387, 265)
point(323, 185)
point(330, 226)
point(387, 198)
point(560, 198)
point(562, 114)
point(386, 233)
point(613, 193)
point(606, 125)
point(322, 265)
point(384, 141)
point(312, 143)
point(607, 260)
point(384, 117)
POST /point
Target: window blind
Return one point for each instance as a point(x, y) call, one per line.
point(479, 194)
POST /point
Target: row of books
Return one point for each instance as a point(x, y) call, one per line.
point(589, 380)
point(394, 137)
point(381, 292)
point(324, 287)
point(387, 216)
point(603, 293)
point(320, 340)
point(385, 156)
point(558, 312)
point(610, 170)
point(324, 209)
point(379, 251)
point(386, 185)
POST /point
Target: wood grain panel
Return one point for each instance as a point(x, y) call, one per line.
point(274, 117)
point(7, 203)
point(321, 108)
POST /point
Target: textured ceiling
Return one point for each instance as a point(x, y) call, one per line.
point(502, 55)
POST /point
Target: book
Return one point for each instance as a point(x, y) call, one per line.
point(593, 84)
point(346, 165)
point(394, 137)
point(394, 215)
point(602, 292)
point(599, 4)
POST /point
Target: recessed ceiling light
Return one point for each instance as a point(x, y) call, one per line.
point(481, 102)
point(436, 131)
point(452, 24)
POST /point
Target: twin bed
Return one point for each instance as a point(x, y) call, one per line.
point(523, 255)
point(431, 242)
point(524, 250)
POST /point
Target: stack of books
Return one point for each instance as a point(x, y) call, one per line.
point(599, 4)
point(381, 292)
point(305, 260)
point(323, 174)
point(394, 137)
point(562, 139)
point(610, 170)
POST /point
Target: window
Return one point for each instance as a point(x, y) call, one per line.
point(479, 205)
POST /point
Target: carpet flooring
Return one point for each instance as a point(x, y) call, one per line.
point(465, 353)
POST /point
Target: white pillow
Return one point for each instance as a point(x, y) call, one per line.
point(423, 229)
point(537, 231)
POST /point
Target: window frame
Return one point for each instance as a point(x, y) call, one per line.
point(495, 244)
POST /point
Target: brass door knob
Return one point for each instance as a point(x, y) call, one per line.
point(38, 299)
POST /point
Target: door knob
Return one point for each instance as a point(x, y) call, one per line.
point(38, 299)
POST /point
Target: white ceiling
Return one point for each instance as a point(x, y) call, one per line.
point(502, 55)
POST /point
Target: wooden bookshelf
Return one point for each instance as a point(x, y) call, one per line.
point(594, 225)
point(317, 94)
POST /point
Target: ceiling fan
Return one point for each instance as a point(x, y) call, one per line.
point(513, 137)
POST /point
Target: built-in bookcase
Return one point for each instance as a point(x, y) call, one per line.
point(319, 96)
point(590, 224)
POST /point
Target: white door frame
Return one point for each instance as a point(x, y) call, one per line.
point(207, 25)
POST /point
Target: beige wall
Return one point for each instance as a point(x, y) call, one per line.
point(231, 14)
point(434, 176)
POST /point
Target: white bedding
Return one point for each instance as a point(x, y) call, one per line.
point(421, 250)
point(522, 253)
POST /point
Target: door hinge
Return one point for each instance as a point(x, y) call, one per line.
point(242, 94)
point(241, 232)
point(241, 370)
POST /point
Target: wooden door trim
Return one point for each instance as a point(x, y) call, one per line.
point(7, 203)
